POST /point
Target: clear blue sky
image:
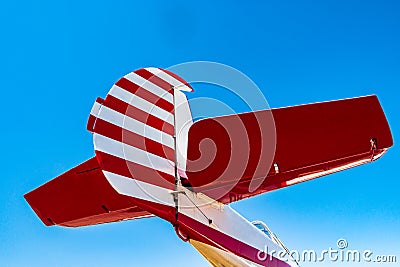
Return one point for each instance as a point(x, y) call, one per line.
point(58, 56)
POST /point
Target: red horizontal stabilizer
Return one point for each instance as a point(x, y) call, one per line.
point(313, 140)
point(82, 196)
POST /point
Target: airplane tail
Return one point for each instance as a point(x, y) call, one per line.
point(135, 131)
point(145, 142)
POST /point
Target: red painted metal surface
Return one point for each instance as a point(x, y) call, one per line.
point(311, 141)
point(82, 196)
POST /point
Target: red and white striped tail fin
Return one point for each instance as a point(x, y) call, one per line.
point(134, 127)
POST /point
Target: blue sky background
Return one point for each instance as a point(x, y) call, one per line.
point(58, 56)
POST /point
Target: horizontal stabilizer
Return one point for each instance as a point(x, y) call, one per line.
point(82, 196)
point(308, 141)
